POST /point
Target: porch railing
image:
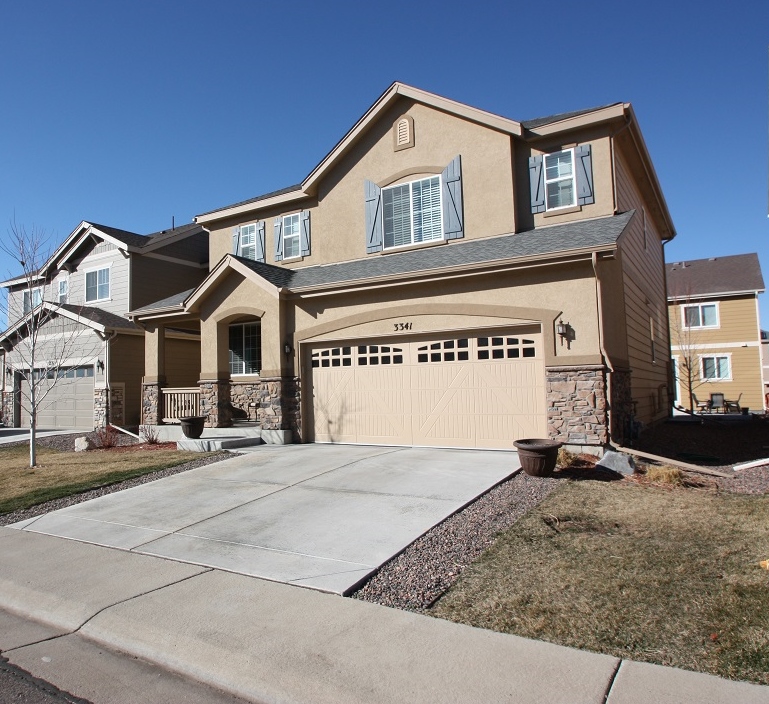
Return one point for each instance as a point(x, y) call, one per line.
point(178, 403)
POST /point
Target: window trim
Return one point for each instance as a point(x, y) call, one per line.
point(31, 292)
point(716, 355)
point(573, 178)
point(254, 235)
point(85, 283)
point(62, 280)
point(243, 324)
point(298, 236)
point(684, 326)
point(410, 184)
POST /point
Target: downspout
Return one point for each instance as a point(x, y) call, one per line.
point(606, 359)
point(107, 386)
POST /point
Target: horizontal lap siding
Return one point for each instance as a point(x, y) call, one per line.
point(118, 301)
point(182, 362)
point(736, 320)
point(127, 366)
point(156, 279)
point(645, 297)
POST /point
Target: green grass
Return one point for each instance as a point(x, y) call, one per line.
point(663, 575)
point(60, 474)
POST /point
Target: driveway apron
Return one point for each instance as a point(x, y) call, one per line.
point(320, 516)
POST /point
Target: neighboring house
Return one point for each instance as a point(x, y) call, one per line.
point(765, 365)
point(715, 330)
point(95, 352)
point(443, 277)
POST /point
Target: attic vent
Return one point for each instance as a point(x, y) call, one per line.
point(403, 133)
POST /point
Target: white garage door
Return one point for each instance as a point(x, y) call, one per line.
point(471, 390)
point(68, 404)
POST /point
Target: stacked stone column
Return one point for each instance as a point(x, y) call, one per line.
point(576, 405)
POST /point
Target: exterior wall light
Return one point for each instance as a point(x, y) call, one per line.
point(287, 348)
point(100, 365)
point(565, 332)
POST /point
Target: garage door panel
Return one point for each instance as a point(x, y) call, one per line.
point(473, 390)
point(68, 403)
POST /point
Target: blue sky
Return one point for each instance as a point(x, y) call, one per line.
point(130, 113)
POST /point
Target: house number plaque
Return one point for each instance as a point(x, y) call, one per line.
point(402, 326)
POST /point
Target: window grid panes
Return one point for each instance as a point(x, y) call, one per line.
point(245, 348)
point(32, 299)
point(703, 315)
point(63, 290)
point(560, 188)
point(412, 213)
point(248, 241)
point(715, 368)
point(291, 236)
point(97, 285)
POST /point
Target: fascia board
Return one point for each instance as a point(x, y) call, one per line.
point(573, 255)
point(59, 311)
point(23, 280)
point(713, 296)
point(221, 270)
point(156, 312)
point(585, 120)
point(73, 243)
point(250, 207)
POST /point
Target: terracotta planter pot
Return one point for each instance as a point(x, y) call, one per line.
point(192, 426)
point(538, 455)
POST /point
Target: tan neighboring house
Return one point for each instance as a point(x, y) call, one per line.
point(715, 330)
point(95, 353)
point(443, 277)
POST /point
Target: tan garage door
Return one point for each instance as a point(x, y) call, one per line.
point(471, 390)
point(68, 404)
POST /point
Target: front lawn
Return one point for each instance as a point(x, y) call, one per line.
point(658, 574)
point(61, 474)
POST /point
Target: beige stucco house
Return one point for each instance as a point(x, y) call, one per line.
point(88, 356)
point(444, 277)
point(715, 331)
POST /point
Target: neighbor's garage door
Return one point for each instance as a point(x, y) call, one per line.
point(68, 404)
point(483, 391)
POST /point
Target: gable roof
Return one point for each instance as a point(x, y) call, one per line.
point(738, 273)
point(540, 121)
point(582, 236)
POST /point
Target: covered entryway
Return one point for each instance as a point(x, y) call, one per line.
point(471, 389)
point(68, 404)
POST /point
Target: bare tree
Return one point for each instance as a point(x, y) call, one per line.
point(685, 337)
point(42, 333)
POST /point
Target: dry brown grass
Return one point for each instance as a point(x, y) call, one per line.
point(63, 473)
point(665, 474)
point(660, 574)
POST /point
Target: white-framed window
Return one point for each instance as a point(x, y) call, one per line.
point(246, 347)
point(412, 212)
point(560, 180)
point(32, 299)
point(291, 244)
point(700, 315)
point(62, 290)
point(97, 285)
point(716, 367)
point(248, 241)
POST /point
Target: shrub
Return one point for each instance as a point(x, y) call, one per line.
point(565, 458)
point(150, 434)
point(665, 474)
point(106, 437)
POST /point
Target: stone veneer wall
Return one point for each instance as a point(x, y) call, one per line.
point(8, 408)
point(151, 414)
point(576, 405)
point(215, 403)
point(100, 408)
point(277, 399)
point(621, 402)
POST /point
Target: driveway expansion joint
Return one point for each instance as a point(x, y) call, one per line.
point(613, 677)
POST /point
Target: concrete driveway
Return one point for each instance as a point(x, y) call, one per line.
point(320, 516)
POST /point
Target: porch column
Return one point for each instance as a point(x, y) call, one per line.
point(154, 374)
point(215, 374)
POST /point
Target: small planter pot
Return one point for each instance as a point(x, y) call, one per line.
point(538, 455)
point(192, 426)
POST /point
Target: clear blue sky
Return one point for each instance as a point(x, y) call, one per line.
point(130, 113)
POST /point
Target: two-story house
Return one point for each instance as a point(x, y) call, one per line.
point(715, 331)
point(443, 277)
point(89, 354)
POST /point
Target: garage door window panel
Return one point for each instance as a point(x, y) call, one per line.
point(444, 351)
point(505, 348)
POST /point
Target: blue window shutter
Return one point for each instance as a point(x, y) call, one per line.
point(304, 233)
point(585, 195)
point(373, 218)
point(279, 239)
point(236, 241)
point(451, 193)
point(537, 183)
point(259, 244)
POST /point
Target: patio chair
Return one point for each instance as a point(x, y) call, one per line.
point(732, 406)
point(717, 401)
point(702, 406)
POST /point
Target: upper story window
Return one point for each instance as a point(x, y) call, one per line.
point(97, 285)
point(700, 315)
point(246, 348)
point(32, 299)
point(62, 292)
point(291, 236)
point(412, 212)
point(248, 241)
point(561, 179)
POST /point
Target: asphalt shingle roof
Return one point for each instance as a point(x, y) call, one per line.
point(699, 277)
point(129, 238)
point(171, 302)
point(539, 121)
point(101, 317)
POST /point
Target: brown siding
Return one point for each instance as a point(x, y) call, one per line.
point(127, 366)
point(643, 263)
point(155, 279)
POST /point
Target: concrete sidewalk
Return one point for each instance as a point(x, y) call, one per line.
point(264, 641)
